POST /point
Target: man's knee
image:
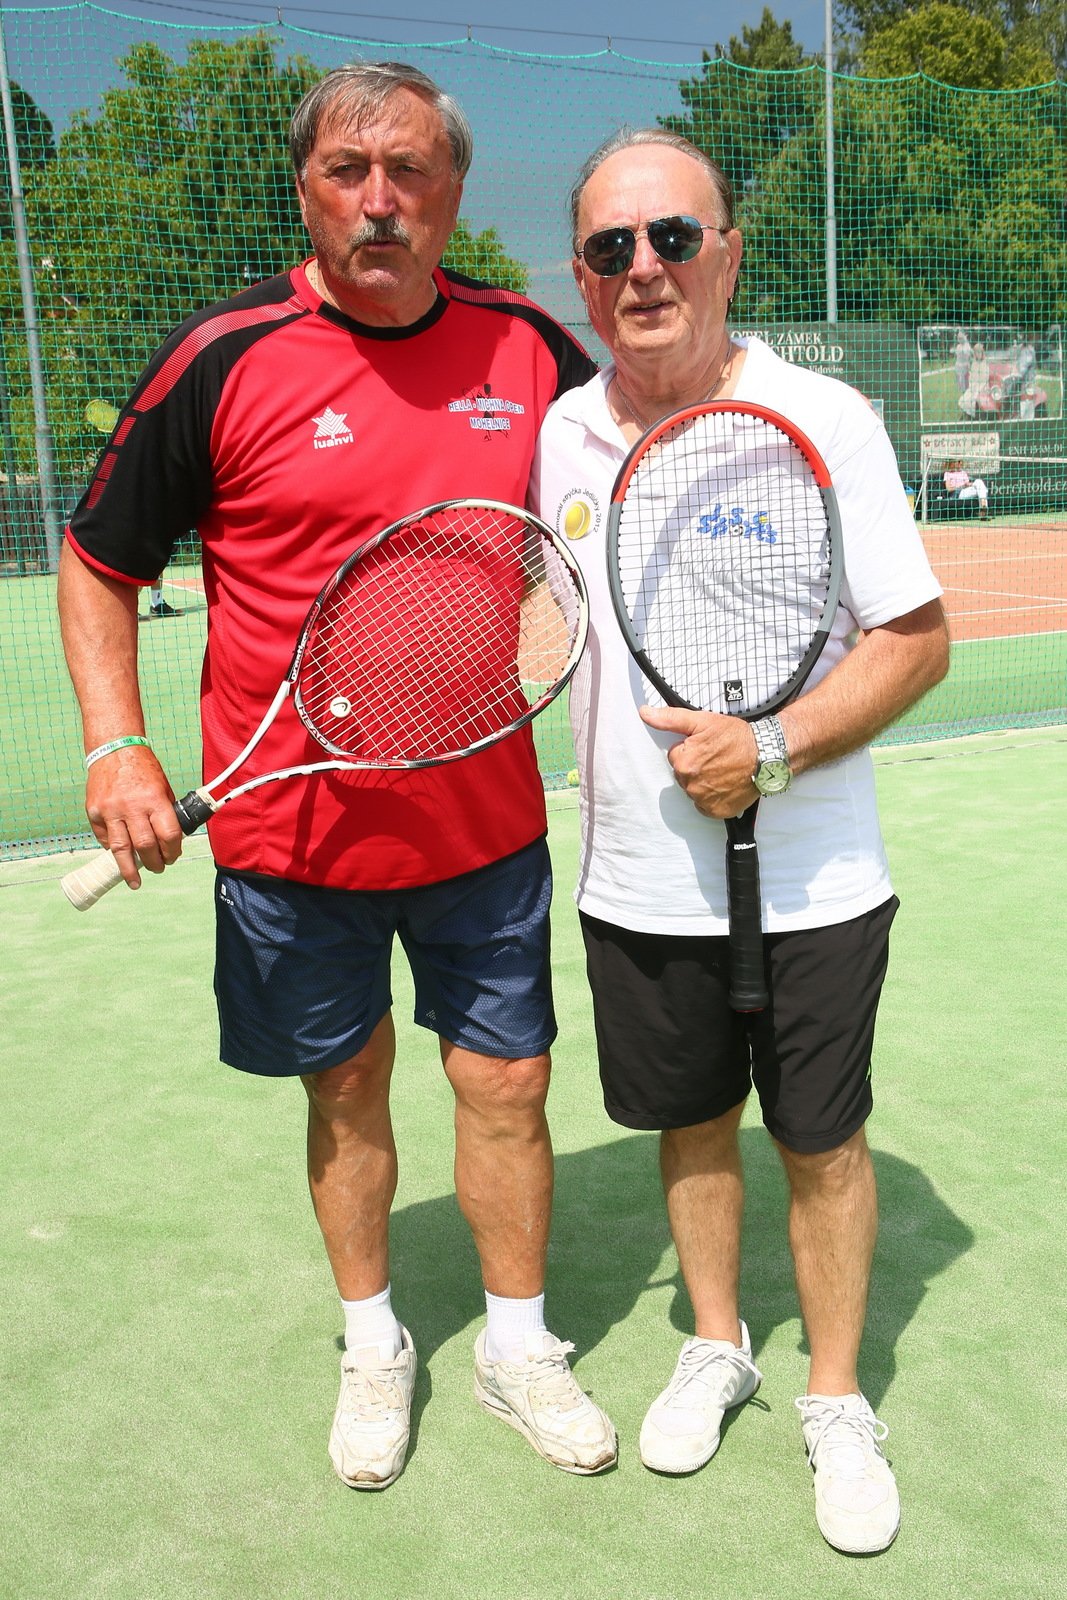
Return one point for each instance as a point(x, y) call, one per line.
point(496, 1089)
point(835, 1170)
point(341, 1090)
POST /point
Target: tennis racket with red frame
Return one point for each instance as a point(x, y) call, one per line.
point(437, 637)
point(724, 562)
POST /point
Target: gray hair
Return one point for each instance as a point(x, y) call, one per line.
point(626, 139)
point(359, 91)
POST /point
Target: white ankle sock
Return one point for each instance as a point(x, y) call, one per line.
point(371, 1326)
point(508, 1323)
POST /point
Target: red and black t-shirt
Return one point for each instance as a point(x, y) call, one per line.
point(286, 433)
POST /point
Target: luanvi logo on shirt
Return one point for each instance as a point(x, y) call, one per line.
point(331, 429)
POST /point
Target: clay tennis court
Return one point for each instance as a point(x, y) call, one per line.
point(1002, 578)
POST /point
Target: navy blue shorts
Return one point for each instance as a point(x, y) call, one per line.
point(302, 974)
point(673, 1054)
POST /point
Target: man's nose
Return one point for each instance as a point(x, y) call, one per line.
point(379, 196)
point(646, 263)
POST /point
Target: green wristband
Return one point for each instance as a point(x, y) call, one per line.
point(113, 744)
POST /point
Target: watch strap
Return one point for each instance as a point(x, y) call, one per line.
point(770, 740)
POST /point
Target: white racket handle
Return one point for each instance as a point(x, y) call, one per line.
point(84, 886)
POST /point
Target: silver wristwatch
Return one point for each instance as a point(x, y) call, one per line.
point(773, 775)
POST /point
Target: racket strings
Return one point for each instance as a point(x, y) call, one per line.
point(724, 559)
point(451, 630)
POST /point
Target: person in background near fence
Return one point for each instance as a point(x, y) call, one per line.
point(1019, 382)
point(978, 377)
point(287, 425)
point(959, 485)
point(962, 359)
point(157, 606)
point(651, 892)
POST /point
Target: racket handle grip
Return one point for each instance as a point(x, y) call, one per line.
point(748, 986)
point(193, 810)
point(86, 885)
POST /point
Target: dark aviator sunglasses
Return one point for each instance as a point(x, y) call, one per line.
point(674, 239)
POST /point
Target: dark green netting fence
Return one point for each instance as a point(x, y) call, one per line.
point(153, 164)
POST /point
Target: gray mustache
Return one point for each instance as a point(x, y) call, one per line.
point(384, 230)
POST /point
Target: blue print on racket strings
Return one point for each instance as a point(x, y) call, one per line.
point(720, 521)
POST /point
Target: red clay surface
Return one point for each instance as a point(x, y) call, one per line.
point(1000, 578)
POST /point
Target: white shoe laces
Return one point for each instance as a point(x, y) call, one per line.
point(371, 1394)
point(710, 1370)
point(850, 1436)
point(552, 1379)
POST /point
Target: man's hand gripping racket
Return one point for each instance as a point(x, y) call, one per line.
point(724, 561)
point(437, 637)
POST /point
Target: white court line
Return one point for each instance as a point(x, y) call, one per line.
point(1037, 601)
point(1007, 611)
point(1002, 638)
point(1013, 558)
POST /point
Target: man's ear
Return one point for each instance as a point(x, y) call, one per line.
point(579, 278)
point(455, 214)
point(735, 247)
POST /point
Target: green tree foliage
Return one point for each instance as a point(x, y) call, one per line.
point(954, 45)
point(1033, 35)
point(948, 205)
point(742, 119)
point(36, 145)
point(177, 193)
point(481, 255)
point(769, 46)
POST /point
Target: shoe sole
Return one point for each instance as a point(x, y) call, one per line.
point(675, 1471)
point(860, 1550)
point(499, 1408)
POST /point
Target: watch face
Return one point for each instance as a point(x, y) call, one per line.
point(773, 777)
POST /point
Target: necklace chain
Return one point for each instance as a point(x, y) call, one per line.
point(642, 424)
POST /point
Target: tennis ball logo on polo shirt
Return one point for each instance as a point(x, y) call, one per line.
point(578, 514)
point(576, 522)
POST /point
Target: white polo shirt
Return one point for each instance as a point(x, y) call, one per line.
point(650, 861)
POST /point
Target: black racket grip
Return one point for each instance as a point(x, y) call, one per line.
point(192, 811)
point(748, 987)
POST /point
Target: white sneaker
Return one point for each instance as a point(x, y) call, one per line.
point(540, 1397)
point(681, 1429)
point(369, 1437)
point(856, 1502)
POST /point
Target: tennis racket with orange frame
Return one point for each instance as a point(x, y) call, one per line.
point(724, 563)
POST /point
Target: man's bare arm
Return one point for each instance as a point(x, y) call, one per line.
point(128, 800)
point(889, 669)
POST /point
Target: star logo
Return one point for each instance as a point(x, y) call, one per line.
point(331, 428)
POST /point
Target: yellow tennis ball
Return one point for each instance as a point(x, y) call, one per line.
point(576, 520)
point(100, 414)
point(572, 778)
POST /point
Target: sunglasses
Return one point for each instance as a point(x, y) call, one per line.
point(674, 239)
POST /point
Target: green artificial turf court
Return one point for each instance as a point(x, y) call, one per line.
point(994, 682)
point(169, 1334)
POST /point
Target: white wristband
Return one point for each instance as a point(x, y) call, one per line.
point(113, 744)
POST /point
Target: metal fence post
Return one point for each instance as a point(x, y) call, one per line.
point(46, 463)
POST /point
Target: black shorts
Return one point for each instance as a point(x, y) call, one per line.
point(674, 1054)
